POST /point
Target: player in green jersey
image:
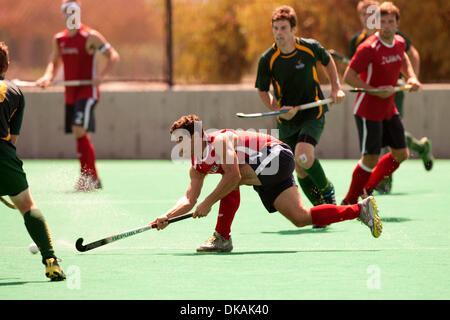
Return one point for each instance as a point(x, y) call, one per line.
point(423, 146)
point(13, 182)
point(290, 66)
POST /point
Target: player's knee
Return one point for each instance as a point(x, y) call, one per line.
point(78, 131)
point(370, 160)
point(401, 155)
point(304, 159)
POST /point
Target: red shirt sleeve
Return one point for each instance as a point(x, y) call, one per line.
point(361, 59)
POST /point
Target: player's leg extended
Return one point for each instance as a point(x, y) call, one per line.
point(38, 230)
point(290, 205)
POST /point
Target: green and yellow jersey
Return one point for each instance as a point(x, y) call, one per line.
point(12, 105)
point(294, 76)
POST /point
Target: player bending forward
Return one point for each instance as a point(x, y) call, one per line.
point(258, 160)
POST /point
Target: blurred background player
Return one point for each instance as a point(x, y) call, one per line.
point(254, 159)
point(13, 182)
point(76, 47)
point(422, 147)
point(290, 66)
point(377, 64)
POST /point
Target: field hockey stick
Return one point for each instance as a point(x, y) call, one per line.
point(69, 83)
point(7, 203)
point(406, 87)
point(278, 112)
point(82, 248)
point(339, 56)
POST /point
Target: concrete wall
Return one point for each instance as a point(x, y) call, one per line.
point(134, 123)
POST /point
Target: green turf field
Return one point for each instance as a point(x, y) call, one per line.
point(271, 260)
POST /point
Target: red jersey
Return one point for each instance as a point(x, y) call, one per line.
point(78, 63)
point(248, 145)
point(378, 64)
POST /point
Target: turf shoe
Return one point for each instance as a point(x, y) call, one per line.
point(385, 186)
point(368, 215)
point(87, 183)
point(330, 197)
point(53, 271)
point(216, 243)
point(427, 155)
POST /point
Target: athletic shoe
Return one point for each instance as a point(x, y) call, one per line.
point(53, 271)
point(427, 155)
point(385, 186)
point(368, 215)
point(330, 197)
point(216, 243)
point(88, 183)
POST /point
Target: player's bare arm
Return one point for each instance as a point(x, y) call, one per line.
point(353, 79)
point(186, 203)
point(224, 148)
point(336, 93)
point(95, 42)
point(268, 100)
point(52, 67)
point(414, 57)
point(408, 71)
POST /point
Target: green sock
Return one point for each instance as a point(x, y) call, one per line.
point(310, 190)
point(317, 176)
point(413, 143)
point(38, 230)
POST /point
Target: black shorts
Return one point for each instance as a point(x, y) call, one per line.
point(374, 135)
point(274, 166)
point(13, 179)
point(81, 114)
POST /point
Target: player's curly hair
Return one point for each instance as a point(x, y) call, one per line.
point(4, 57)
point(186, 122)
point(285, 13)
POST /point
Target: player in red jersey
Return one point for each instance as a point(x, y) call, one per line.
point(76, 47)
point(377, 64)
point(255, 159)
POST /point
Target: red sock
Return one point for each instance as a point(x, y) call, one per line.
point(86, 154)
point(359, 179)
point(385, 167)
point(326, 214)
point(228, 207)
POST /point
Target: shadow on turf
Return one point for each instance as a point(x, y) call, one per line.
point(395, 219)
point(19, 283)
point(193, 254)
point(299, 231)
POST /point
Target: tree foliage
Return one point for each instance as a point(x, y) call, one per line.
point(215, 41)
